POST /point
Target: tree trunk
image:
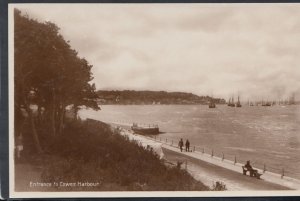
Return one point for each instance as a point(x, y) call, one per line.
point(61, 119)
point(33, 129)
point(31, 119)
point(76, 112)
point(39, 117)
point(52, 117)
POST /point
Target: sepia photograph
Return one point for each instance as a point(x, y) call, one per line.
point(154, 100)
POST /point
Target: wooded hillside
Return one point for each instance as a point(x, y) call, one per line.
point(153, 97)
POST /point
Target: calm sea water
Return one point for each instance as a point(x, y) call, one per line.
point(263, 135)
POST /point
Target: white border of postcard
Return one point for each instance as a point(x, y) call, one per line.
point(112, 194)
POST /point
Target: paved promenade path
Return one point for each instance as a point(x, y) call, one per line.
point(211, 169)
point(209, 173)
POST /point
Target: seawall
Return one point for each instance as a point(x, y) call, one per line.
point(231, 170)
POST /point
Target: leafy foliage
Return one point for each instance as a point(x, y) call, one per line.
point(91, 151)
point(48, 74)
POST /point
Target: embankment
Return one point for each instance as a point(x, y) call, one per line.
point(210, 169)
point(90, 151)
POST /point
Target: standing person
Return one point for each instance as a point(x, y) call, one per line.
point(180, 144)
point(187, 146)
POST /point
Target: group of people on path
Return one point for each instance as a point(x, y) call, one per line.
point(187, 145)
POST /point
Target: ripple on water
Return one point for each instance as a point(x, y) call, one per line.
point(282, 156)
point(261, 130)
point(241, 149)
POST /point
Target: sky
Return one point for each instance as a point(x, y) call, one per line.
point(220, 50)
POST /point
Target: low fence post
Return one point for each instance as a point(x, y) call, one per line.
point(212, 153)
point(282, 174)
point(264, 168)
point(160, 139)
point(155, 138)
point(194, 149)
point(172, 142)
point(222, 156)
point(202, 150)
point(234, 160)
point(166, 140)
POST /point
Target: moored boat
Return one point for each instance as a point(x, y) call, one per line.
point(231, 102)
point(238, 103)
point(266, 104)
point(211, 104)
point(145, 129)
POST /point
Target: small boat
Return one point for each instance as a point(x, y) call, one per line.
point(250, 103)
point(266, 104)
point(238, 103)
point(145, 129)
point(231, 102)
point(211, 104)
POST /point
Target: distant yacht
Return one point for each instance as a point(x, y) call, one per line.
point(238, 103)
point(212, 104)
point(267, 103)
point(250, 103)
point(231, 102)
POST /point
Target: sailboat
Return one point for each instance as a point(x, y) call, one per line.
point(250, 103)
point(267, 103)
point(231, 103)
point(238, 103)
point(211, 103)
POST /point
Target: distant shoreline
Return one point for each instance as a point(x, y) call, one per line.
point(159, 104)
point(131, 97)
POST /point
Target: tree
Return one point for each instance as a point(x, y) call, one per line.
point(49, 74)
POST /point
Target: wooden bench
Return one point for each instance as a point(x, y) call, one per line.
point(252, 172)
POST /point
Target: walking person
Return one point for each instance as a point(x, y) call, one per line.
point(187, 146)
point(180, 144)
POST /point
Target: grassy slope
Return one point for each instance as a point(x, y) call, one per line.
point(90, 151)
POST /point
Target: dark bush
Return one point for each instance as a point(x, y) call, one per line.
point(91, 151)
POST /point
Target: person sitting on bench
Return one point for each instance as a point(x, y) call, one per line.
point(249, 168)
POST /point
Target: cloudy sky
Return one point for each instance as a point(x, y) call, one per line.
point(207, 49)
